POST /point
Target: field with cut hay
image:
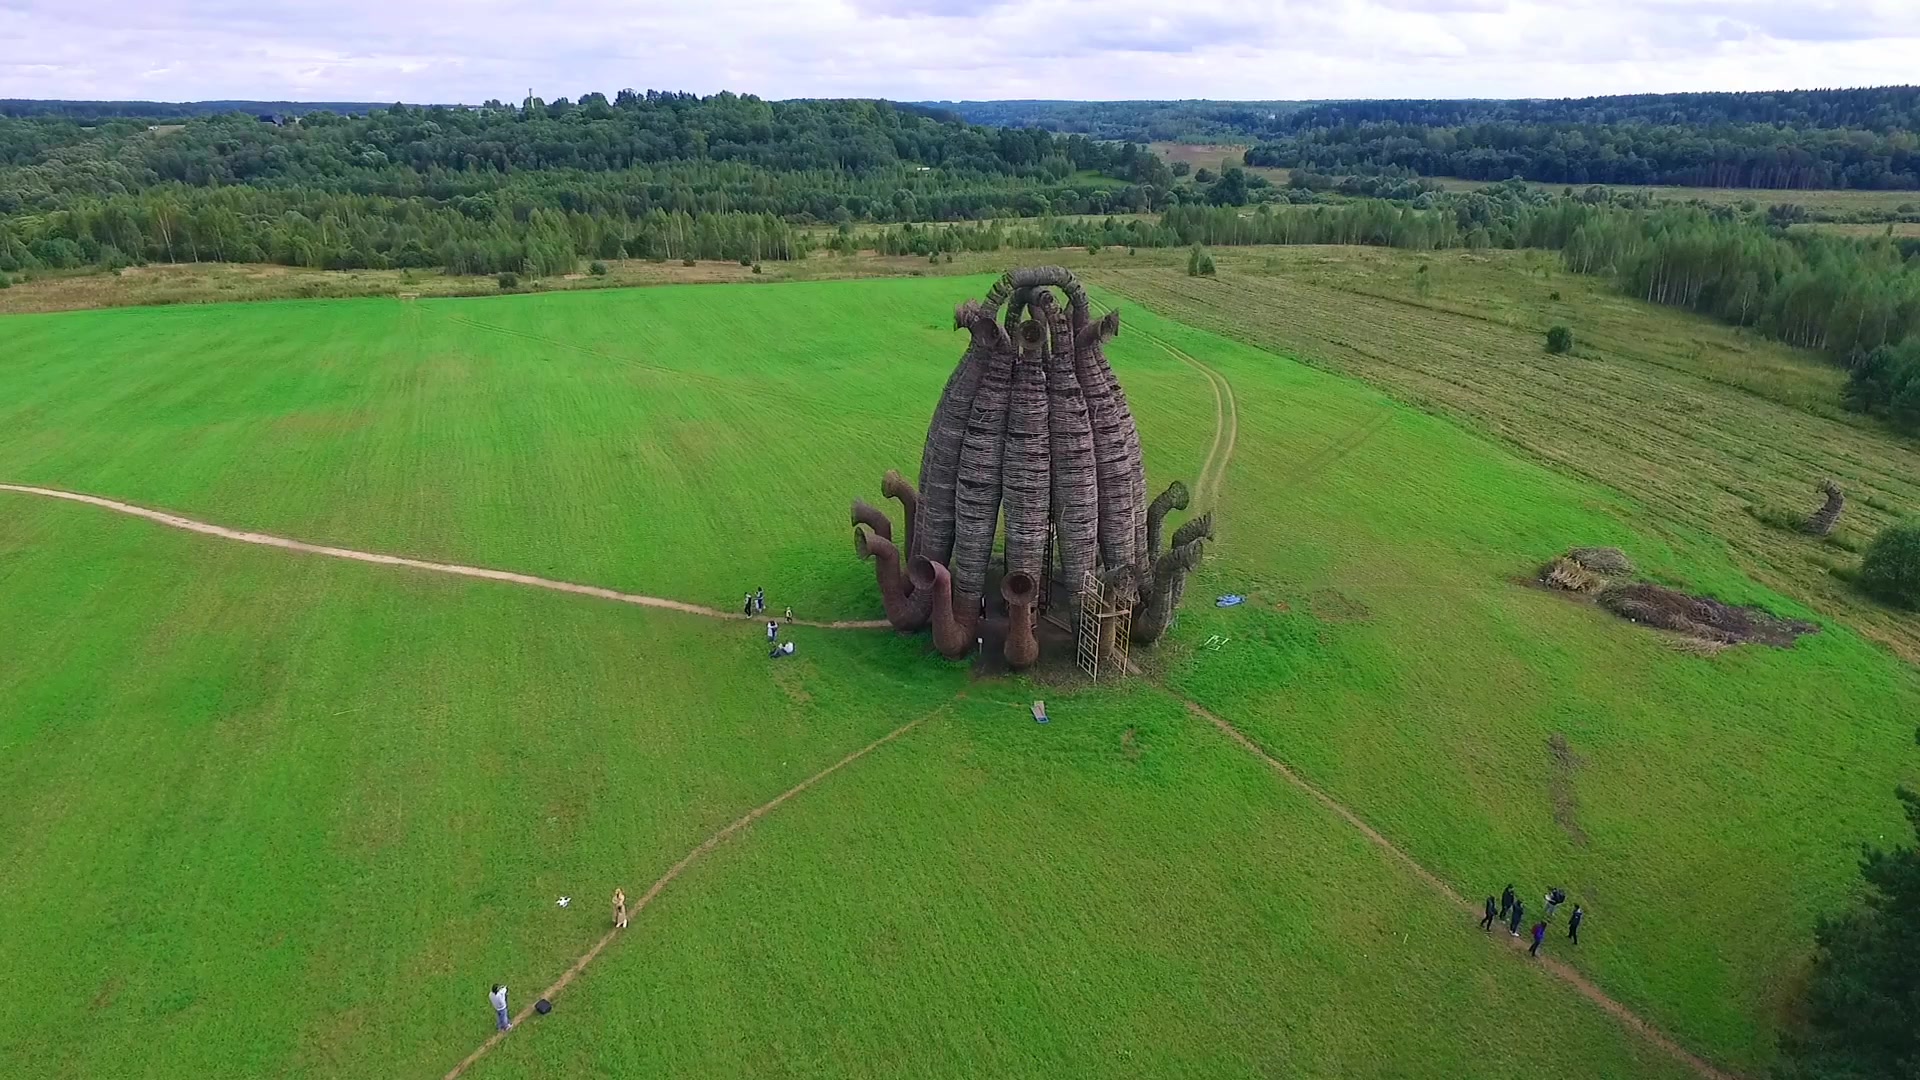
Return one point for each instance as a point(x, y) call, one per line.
point(1905, 230)
point(274, 813)
point(1709, 432)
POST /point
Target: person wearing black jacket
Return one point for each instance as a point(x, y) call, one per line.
point(1519, 912)
point(1487, 923)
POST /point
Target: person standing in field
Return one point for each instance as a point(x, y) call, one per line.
point(1487, 923)
point(620, 909)
point(499, 999)
point(747, 608)
point(760, 599)
point(1539, 935)
point(789, 613)
point(1519, 912)
point(1573, 923)
point(773, 631)
point(1506, 901)
point(1555, 897)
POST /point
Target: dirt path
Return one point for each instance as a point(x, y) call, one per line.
point(266, 540)
point(1559, 970)
point(674, 871)
point(1226, 427)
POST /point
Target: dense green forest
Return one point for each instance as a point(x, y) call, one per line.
point(1717, 155)
point(1861, 138)
point(523, 187)
point(1883, 109)
point(1130, 121)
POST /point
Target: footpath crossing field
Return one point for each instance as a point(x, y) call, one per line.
point(276, 813)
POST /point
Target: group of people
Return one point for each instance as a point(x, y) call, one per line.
point(497, 997)
point(755, 603)
point(1513, 912)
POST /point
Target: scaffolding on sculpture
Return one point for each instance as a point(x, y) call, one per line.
point(1049, 565)
point(1106, 625)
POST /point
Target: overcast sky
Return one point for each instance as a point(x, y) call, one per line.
point(471, 50)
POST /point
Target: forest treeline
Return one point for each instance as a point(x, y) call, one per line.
point(406, 150)
point(174, 110)
point(1130, 121)
point(1884, 109)
point(1719, 155)
point(501, 187)
point(1794, 139)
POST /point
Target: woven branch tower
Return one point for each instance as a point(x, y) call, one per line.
point(1033, 429)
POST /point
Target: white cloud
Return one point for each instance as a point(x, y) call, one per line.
point(434, 50)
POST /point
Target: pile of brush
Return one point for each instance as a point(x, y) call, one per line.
point(1603, 573)
point(1701, 617)
point(1586, 569)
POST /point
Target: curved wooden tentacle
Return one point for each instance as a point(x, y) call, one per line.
point(1034, 277)
point(1174, 498)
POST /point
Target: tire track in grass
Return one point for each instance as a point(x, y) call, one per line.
point(675, 871)
point(456, 569)
point(1330, 455)
point(1226, 425)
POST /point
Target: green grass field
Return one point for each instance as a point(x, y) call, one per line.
point(274, 814)
point(1708, 431)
